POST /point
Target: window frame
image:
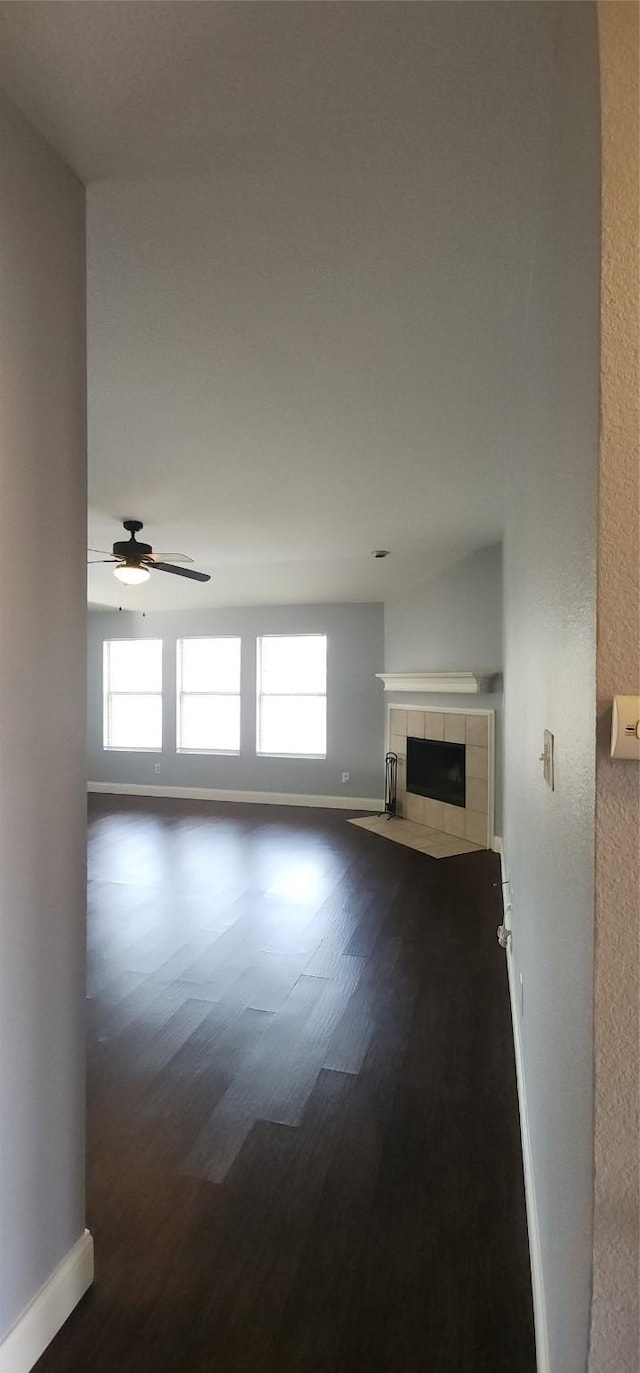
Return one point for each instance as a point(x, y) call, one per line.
point(292, 695)
point(207, 752)
point(108, 694)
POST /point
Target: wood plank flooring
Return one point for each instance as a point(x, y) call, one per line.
point(303, 1140)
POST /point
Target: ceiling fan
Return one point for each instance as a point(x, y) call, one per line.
point(133, 559)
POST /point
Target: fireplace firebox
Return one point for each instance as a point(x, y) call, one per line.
point(436, 770)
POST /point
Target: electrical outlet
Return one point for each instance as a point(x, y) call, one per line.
point(345, 776)
point(521, 979)
point(156, 767)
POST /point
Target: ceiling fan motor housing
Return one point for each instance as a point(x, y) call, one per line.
point(132, 549)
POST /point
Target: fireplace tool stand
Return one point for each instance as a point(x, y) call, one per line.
point(390, 784)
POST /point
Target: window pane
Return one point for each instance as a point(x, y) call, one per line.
point(209, 664)
point(210, 722)
point(134, 722)
point(294, 663)
point(133, 665)
point(293, 724)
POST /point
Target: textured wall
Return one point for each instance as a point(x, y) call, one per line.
point(355, 709)
point(550, 603)
point(42, 711)
point(452, 621)
point(614, 1333)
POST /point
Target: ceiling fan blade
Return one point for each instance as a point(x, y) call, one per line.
point(99, 550)
point(97, 562)
point(168, 558)
point(180, 571)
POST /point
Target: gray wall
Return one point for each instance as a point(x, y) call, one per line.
point(550, 549)
point(453, 621)
point(355, 712)
point(42, 712)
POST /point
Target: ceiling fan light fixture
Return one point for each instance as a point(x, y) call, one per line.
point(131, 573)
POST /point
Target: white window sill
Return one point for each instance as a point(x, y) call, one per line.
point(311, 757)
point(128, 748)
point(210, 752)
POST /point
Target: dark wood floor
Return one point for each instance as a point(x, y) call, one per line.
point(303, 1152)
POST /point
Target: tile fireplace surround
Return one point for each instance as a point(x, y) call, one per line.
point(474, 729)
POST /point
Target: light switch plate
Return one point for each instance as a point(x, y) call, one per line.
point(548, 759)
point(625, 727)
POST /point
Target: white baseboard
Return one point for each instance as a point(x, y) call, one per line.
point(48, 1311)
point(261, 798)
point(496, 845)
point(535, 1250)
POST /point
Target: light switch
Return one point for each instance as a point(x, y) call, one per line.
point(546, 758)
point(625, 727)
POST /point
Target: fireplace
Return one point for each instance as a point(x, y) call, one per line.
point(461, 737)
point(437, 770)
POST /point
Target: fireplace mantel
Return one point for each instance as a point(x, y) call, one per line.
point(468, 683)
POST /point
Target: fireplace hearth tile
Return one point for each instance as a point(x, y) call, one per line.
point(398, 721)
point(398, 744)
point(415, 724)
point(454, 729)
point(454, 821)
point(433, 843)
point(477, 762)
point(476, 797)
point(414, 808)
point(433, 725)
point(477, 730)
point(433, 813)
point(475, 827)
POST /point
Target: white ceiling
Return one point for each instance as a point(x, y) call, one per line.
point(308, 229)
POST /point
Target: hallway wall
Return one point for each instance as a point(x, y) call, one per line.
point(42, 713)
point(550, 602)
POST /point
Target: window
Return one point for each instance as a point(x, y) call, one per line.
point(132, 685)
point(208, 696)
point(292, 695)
